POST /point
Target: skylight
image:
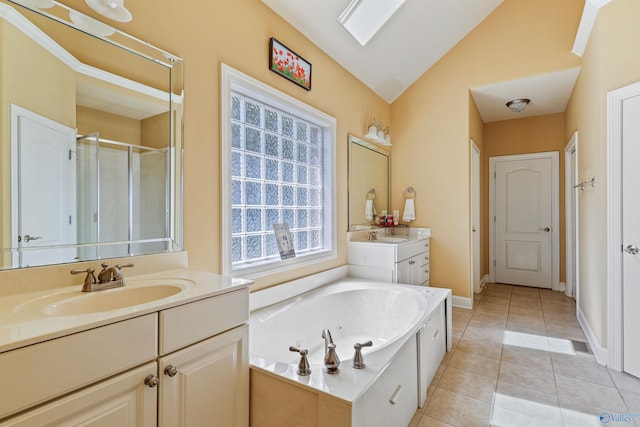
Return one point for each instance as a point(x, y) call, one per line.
point(364, 18)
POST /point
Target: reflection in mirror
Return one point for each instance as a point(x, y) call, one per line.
point(368, 180)
point(91, 134)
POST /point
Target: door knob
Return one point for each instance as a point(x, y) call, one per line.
point(546, 229)
point(28, 238)
point(632, 249)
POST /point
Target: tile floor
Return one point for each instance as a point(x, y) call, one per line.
point(513, 364)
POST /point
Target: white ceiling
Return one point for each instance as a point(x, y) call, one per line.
point(411, 41)
point(414, 39)
point(549, 94)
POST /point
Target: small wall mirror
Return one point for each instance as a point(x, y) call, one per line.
point(368, 180)
point(91, 139)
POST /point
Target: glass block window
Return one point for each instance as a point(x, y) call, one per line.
point(279, 174)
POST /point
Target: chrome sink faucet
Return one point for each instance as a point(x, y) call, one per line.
point(373, 235)
point(331, 360)
point(109, 277)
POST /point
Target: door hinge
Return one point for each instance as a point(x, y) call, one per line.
point(69, 154)
point(70, 220)
point(494, 262)
point(494, 175)
point(494, 218)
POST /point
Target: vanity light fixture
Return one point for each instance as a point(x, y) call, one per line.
point(90, 25)
point(112, 9)
point(372, 132)
point(377, 132)
point(517, 105)
point(37, 4)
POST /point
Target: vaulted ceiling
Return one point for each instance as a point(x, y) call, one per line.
point(412, 41)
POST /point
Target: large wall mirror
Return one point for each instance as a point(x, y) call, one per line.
point(368, 181)
point(91, 133)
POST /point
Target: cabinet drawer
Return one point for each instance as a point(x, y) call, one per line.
point(43, 371)
point(424, 259)
point(190, 323)
point(409, 250)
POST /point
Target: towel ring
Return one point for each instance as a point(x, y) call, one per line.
point(371, 194)
point(409, 193)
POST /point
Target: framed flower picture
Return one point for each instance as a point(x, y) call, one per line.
point(289, 64)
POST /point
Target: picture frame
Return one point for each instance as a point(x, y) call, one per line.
point(288, 64)
point(284, 241)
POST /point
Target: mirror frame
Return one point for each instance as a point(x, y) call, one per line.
point(352, 139)
point(174, 94)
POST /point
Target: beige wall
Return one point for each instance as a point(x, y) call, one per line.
point(521, 136)
point(610, 61)
point(110, 126)
point(236, 32)
point(431, 120)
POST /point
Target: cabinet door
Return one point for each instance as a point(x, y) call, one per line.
point(409, 271)
point(207, 384)
point(432, 348)
point(123, 401)
point(393, 399)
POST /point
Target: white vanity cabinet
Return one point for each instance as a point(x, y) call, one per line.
point(186, 365)
point(205, 384)
point(406, 262)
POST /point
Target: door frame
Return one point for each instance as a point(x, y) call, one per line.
point(571, 216)
point(555, 214)
point(475, 217)
point(614, 222)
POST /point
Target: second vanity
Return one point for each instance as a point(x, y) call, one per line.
point(393, 258)
point(179, 359)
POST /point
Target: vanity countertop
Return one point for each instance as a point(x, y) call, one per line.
point(413, 235)
point(21, 326)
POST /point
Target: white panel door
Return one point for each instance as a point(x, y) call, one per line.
point(631, 234)
point(523, 223)
point(43, 189)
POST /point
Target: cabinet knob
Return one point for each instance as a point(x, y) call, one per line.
point(151, 381)
point(171, 370)
point(412, 262)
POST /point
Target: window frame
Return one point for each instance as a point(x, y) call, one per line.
point(234, 80)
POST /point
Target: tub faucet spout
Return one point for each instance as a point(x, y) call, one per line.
point(331, 360)
point(327, 339)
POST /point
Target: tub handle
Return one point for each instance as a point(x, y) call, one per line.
point(358, 360)
point(304, 369)
point(395, 395)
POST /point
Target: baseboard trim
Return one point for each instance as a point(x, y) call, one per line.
point(462, 302)
point(561, 287)
point(599, 352)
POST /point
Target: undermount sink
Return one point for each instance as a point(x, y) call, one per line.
point(78, 302)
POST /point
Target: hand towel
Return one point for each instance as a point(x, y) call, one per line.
point(409, 213)
point(369, 210)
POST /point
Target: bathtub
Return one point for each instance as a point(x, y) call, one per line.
point(354, 310)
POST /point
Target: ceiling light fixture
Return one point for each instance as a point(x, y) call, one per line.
point(112, 9)
point(364, 18)
point(517, 105)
